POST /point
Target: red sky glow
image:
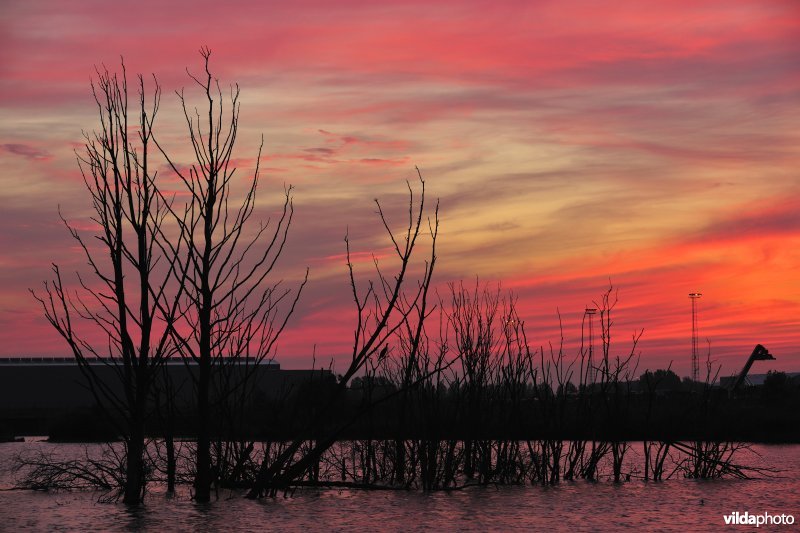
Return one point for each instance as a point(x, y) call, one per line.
point(652, 144)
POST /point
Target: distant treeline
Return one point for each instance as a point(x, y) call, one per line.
point(657, 406)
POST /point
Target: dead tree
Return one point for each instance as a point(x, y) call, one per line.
point(131, 301)
point(615, 383)
point(384, 306)
point(233, 307)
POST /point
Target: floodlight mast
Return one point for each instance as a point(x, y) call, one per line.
point(590, 312)
point(694, 296)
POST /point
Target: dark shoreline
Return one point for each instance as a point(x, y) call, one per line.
point(668, 418)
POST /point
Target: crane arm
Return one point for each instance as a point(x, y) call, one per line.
point(759, 354)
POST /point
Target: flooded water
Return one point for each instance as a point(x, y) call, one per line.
point(672, 505)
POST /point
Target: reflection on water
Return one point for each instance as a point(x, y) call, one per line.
point(673, 505)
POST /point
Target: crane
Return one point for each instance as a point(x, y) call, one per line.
point(759, 354)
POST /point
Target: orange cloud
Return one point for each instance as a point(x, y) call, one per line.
point(657, 148)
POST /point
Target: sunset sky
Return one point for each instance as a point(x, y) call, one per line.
point(653, 143)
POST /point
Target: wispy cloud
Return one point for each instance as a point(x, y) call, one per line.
point(26, 151)
point(658, 148)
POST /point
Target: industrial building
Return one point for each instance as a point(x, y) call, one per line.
point(35, 391)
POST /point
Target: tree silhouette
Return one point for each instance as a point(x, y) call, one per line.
point(131, 301)
point(192, 278)
point(385, 306)
point(233, 308)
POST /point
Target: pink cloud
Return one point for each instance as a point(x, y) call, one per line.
point(573, 134)
point(26, 151)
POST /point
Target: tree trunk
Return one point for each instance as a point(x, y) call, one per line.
point(202, 480)
point(170, 445)
point(134, 467)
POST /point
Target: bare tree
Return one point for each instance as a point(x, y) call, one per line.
point(233, 307)
point(384, 307)
point(128, 300)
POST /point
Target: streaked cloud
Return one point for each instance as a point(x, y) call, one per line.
point(657, 149)
point(26, 151)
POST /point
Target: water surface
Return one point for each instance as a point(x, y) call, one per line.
point(672, 505)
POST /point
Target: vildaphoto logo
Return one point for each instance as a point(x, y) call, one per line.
point(764, 519)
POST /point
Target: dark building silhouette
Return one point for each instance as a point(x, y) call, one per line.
point(35, 391)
